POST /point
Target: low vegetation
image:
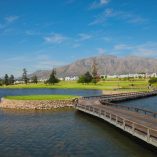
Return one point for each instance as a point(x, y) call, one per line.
point(153, 80)
point(116, 85)
point(41, 97)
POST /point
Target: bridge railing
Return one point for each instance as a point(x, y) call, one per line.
point(147, 134)
point(128, 96)
point(134, 109)
point(120, 95)
point(108, 95)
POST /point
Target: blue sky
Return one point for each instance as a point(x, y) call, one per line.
point(40, 34)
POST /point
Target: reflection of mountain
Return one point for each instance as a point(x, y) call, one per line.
point(106, 65)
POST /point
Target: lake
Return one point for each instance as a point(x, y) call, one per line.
point(63, 133)
point(149, 103)
point(77, 92)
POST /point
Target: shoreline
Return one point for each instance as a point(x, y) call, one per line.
point(37, 104)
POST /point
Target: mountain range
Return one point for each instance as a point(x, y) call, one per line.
point(106, 65)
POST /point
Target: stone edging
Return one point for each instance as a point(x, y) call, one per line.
point(36, 104)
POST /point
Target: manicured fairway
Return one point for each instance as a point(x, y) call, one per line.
point(137, 85)
point(41, 97)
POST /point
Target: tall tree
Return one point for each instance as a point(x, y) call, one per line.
point(6, 80)
point(53, 79)
point(95, 72)
point(1, 82)
point(24, 76)
point(35, 79)
point(81, 79)
point(86, 78)
point(11, 79)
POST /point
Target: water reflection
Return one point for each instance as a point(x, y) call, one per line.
point(63, 133)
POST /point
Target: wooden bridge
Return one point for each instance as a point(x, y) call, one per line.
point(135, 121)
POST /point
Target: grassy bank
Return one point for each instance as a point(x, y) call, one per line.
point(137, 85)
point(41, 97)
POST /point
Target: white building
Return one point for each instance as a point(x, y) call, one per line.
point(68, 78)
point(18, 82)
point(132, 75)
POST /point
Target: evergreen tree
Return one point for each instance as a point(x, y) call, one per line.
point(11, 79)
point(86, 78)
point(81, 79)
point(6, 80)
point(24, 76)
point(1, 82)
point(35, 79)
point(95, 72)
point(53, 79)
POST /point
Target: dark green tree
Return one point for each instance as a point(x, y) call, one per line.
point(53, 79)
point(86, 78)
point(81, 79)
point(11, 79)
point(6, 80)
point(96, 78)
point(35, 79)
point(24, 76)
point(152, 80)
point(1, 82)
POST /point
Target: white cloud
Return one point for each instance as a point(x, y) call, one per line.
point(11, 19)
point(32, 33)
point(122, 47)
point(76, 45)
point(8, 21)
point(107, 39)
point(84, 36)
point(109, 13)
point(98, 4)
point(148, 49)
point(101, 51)
point(55, 38)
point(104, 2)
point(70, 1)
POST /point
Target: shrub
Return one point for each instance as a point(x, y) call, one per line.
point(152, 80)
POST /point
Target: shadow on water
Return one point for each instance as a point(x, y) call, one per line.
point(120, 138)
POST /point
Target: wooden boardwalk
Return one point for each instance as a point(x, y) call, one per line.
point(137, 122)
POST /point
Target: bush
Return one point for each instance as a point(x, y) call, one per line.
point(86, 78)
point(152, 80)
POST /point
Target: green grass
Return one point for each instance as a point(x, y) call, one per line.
point(41, 97)
point(139, 85)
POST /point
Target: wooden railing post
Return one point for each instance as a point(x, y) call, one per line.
point(116, 120)
point(133, 128)
point(148, 135)
point(124, 124)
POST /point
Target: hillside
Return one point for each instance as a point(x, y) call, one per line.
point(106, 65)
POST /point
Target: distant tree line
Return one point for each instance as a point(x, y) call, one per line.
point(7, 80)
point(10, 80)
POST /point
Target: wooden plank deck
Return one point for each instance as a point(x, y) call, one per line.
point(143, 126)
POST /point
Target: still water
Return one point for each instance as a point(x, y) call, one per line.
point(62, 134)
point(149, 103)
point(78, 92)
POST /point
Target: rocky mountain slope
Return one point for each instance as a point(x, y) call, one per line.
point(106, 65)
